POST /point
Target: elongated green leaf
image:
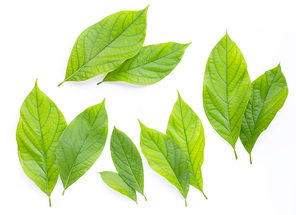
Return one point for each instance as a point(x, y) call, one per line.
point(186, 129)
point(166, 158)
point(82, 143)
point(113, 180)
point(226, 90)
point(150, 65)
point(40, 126)
point(104, 46)
point(269, 93)
point(127, 160)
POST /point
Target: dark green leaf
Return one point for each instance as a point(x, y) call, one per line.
point(269, 93)
point(127, 160)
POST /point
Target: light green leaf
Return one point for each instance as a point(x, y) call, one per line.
point(186, 129)
point(226, 90)
point(269, 93)
point(166, 158)
point(82, 143)
point(104, 46)
point(40, 126)
point(150, 65)
point(114, 181)
point(127, 160)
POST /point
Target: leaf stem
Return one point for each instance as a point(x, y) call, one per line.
point(145, 197)
point(49, 201)
point(61, 83)
point(64, 191)
point(185, 203)
point(235, 153)
point(100, 82)
point(204, 195)
point(250, 159)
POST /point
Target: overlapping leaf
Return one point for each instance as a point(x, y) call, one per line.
point(226, 90)
point(82, 143)
point(150, 65)
point(127, 160)
point(104, 46)
point(40, 126)
point(114, 181)
point(269, 92)
point(166, 158)
point(186, 129)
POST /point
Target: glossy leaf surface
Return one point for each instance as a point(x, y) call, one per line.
point(104, 46)
point(269, 92)
point(82, 143)
point(114, 181)
point(166, 158)
point(127, 160)
point(226, 89)
point(40, 126)
point(150, 65)
point(186, 129)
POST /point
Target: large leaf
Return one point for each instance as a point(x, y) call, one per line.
point(40, 126)
point(269, 92)
point(166, 158)
point(114, 181)
point(127, 160)
point(150, 65)
point(82, 143)
point(186, 129)
point(104, 46)
point(226, 90)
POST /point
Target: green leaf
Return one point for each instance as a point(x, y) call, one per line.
point(127, 160)
point(104, 46)
point(226, 90)
point(269, 92)
point(186, 129)
point(40, 126)
point(166, 158)
point(150, 65)
point(114, 181)
point(82, 143)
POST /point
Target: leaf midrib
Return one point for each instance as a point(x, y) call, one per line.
point(103, 48)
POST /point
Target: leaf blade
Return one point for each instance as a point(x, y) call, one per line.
point(114, 181)
point(40, 126)
point(226, 90)
point(269, 92)
point(150, 65)
point(82, 143)
point(94, 53)
point(166, 158)
point(127, 160)
point(186, 129)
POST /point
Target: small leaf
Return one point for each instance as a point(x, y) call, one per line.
point(226, 89)
point(104, 46)
point(166, 158)
point(82, 143)
point(269, 93)
point(150, 65)
point(186, 129)
point(127, 160)
point(40, 126)
point(114, 181)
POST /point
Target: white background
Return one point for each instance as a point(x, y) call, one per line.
point(36, 38)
